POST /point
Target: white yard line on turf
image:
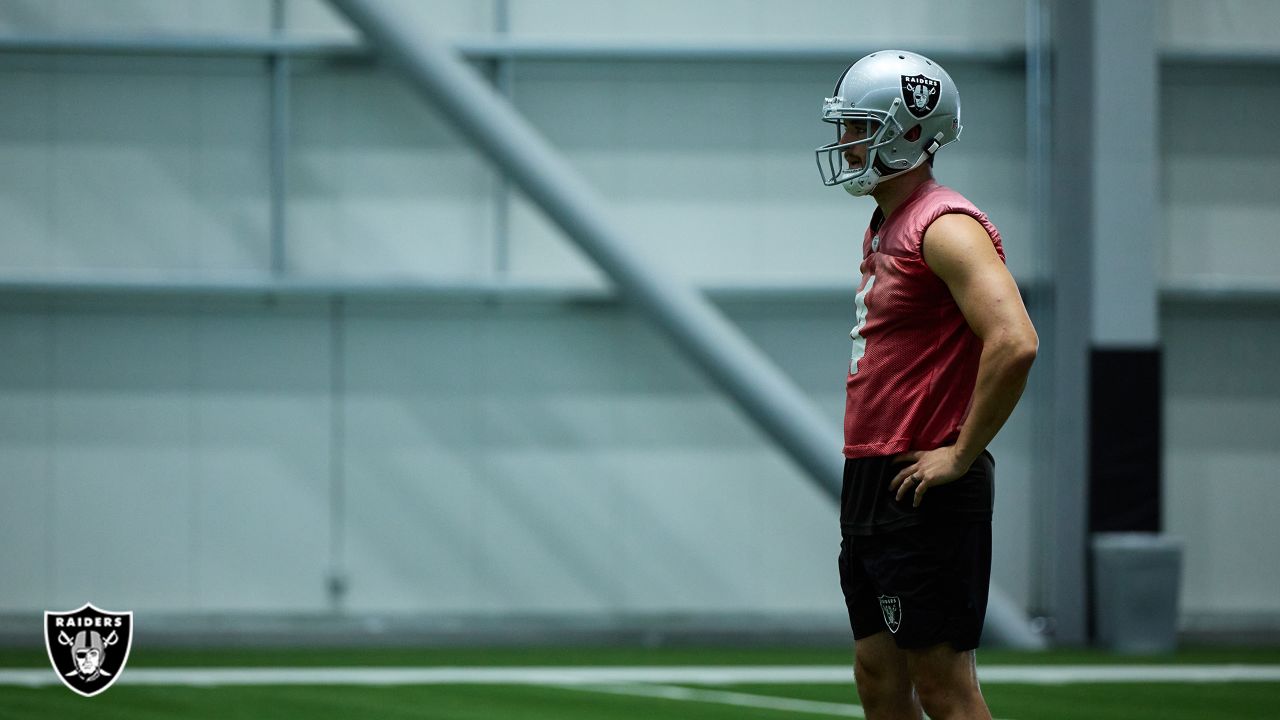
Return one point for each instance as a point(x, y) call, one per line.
point(693, 675)
point(1068, 674)
point(724, 697)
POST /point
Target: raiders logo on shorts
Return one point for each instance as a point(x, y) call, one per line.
point(891, 606)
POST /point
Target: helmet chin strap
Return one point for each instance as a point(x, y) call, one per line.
point(857, 189)
point(877, 173)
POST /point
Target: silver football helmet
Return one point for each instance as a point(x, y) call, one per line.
point(882, 99)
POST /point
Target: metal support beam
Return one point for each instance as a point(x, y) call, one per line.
point(231, 46)
point(1066, 492)
point(729, 359)
point(336, 582)
point(1125, 181)
point(486, 47)
point(89, 285)
point(712, 51)
point(553, 49)
point(1040, 297)
point(278, 142)
point(1068, 481)
point(504, 81)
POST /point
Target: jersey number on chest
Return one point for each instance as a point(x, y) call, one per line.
point(860, 342)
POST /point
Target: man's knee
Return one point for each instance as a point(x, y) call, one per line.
point(938, 696)
point(875, 669)
point(878, 658)
point(946, 682)
point(880, 670)
point(877, 682)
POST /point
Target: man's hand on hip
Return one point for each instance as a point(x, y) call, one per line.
point(926, 469)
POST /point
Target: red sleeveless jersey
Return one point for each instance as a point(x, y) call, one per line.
point(915, 360)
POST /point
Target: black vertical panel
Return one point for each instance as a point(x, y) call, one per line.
point(1124, 440)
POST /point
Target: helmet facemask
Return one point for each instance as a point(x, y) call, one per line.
point(872, 130)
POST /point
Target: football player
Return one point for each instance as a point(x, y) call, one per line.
point(942, 346)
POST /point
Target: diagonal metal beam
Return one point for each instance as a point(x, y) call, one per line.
point(729, 359)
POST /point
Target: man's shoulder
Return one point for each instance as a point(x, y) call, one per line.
point(951, 211)
point(946, 195)
point(952, 223)
point(947, 212)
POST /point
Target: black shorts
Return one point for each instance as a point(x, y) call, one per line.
point(926, 584)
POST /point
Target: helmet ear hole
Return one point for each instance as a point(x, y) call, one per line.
point(912, 135)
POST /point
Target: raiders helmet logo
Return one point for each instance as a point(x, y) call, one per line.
point(920, 94)
point(891, 606)
point(88, 647)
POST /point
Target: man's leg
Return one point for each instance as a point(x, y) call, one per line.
point(946, 681)
point(884, 684)
point(942, 573)
point(879, 667)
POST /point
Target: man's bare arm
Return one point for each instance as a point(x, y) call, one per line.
point(958, 250)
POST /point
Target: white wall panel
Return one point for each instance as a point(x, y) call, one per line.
point(1221, 490)
point(1221, 396)
point(26, 457)
point(119, 164)
point(379, 186)
point(26, 156)
point(443, 17)
point(1219, 25)
point(966, 23)
point(707, 500)
point(123, 174)
point(411, 523)
point(619, 476)
point(1016, 541)
point(166, 460)
point(105, 17)
point(1219, 183)
point(229, 222)
point(555, 385)
point(557, 462)
point(494, 461)
point(550, 517)
point(709, 168)
point(262, 422)
point(317, 18)
point(122, 478)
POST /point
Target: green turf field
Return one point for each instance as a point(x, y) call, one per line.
point(320, 701)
